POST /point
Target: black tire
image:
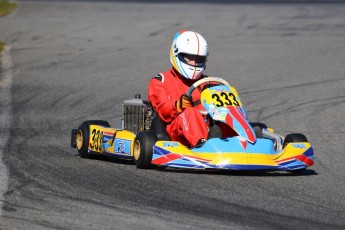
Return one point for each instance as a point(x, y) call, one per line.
point(143, 149)
point(294, 137)
point(258, 128)
point(84, 133)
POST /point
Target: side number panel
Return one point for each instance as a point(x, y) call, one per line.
point(96, 137)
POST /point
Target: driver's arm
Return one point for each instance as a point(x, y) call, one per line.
point(160, 99)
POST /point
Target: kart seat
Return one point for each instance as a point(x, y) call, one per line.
point(158, 127)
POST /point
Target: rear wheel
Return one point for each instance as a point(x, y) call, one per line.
point(143, 149)
point(83, 135)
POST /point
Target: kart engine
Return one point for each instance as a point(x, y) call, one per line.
point(137, 114)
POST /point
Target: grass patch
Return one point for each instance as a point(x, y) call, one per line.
point(6, 7)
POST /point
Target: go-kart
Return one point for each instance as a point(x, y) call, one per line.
point(143, 138)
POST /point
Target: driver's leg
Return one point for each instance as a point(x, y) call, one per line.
point(189, 125)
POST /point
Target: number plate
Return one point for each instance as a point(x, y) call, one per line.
point(96, 137)
point(224, 99)
point(220, 96)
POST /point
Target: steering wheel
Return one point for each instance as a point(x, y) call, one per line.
point(202, 81)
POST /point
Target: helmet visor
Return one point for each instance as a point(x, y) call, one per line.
point(192, 60)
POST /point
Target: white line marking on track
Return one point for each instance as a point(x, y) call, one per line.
point(5, 116)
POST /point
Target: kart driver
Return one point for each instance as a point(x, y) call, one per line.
point(167, 90)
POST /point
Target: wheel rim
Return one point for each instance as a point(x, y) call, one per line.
point(136, 152)
point(79, 140)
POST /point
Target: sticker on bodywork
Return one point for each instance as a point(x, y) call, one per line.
point(218, 114)
point(122, 146)
point(170, 144)
point(301, 146)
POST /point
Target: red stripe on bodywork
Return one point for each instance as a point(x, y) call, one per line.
point(286, 159)
point(166, 158)
point(305, 160)
point(108, 133)
point(240, 118)
point(241, 113)
point(173, 156)
point(302, 158)
point(244, 144)
point(199, 159)
point(230, 121)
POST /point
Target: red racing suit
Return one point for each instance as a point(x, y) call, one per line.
point(187, 127)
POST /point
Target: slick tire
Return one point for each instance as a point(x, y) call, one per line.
point(258, 128)
point(83, 136)
point(293, 138)
point(143, 149)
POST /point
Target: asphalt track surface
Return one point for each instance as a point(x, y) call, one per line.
point(78, 60)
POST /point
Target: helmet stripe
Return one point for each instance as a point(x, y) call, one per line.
point(173, 58)
point(194, 73)
point(181, 68)
point(197, 38)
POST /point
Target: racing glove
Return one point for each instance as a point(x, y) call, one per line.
point(183, 103)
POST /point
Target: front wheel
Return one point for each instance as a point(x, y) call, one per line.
point(293, 138)
point(143, 149)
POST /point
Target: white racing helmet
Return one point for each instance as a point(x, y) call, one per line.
point(189, 44)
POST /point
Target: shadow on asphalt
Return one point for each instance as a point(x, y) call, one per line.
point(251, 173)
point(108, 159)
